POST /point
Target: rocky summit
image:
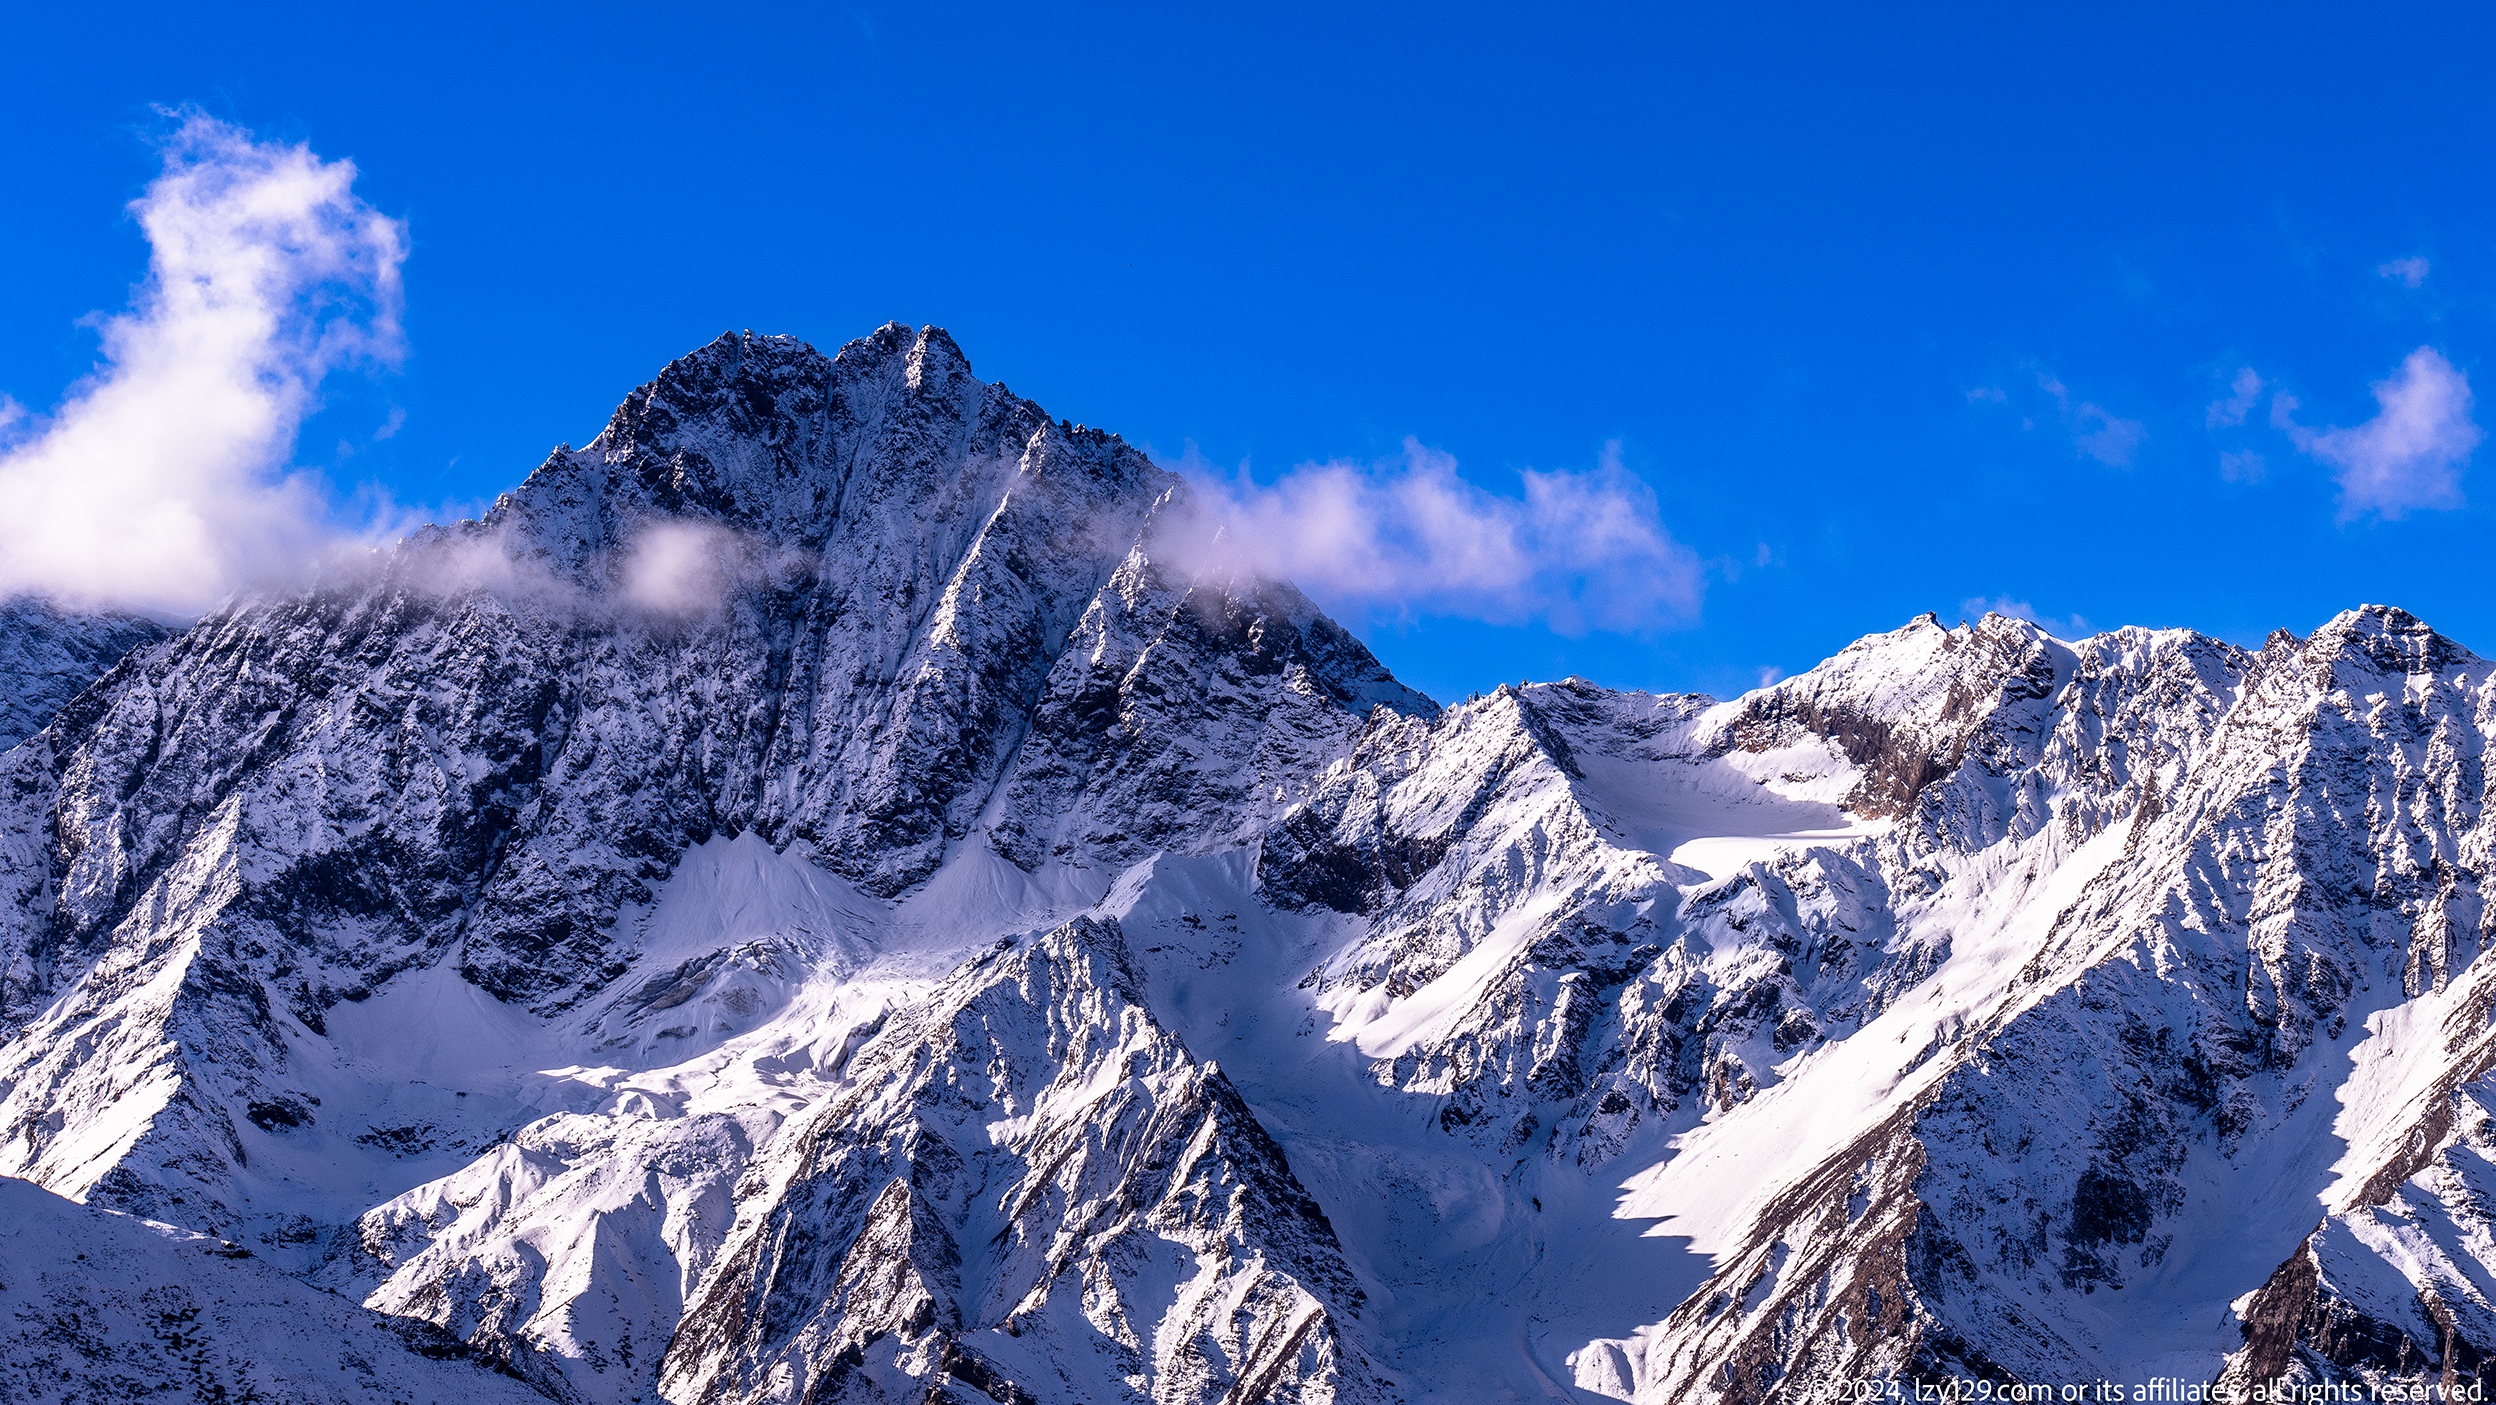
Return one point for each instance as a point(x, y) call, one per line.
point(832, 893)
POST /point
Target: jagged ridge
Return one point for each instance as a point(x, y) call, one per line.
point(809, 897)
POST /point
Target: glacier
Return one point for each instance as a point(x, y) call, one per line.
point(829, 893)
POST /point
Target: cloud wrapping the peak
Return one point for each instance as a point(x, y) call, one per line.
point(2074, 627)
point(161, 482)
point(1576, 551)
point(2410, 456)
point(679, 568)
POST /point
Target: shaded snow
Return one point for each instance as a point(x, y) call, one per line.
point(92, 1301)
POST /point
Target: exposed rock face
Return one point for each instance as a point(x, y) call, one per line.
point(2141, 1095)
point(889, 601)
point(566, 1255)
point(812, 899)
point(48, 655)
point(1033, 1189)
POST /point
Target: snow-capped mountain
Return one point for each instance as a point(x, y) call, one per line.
point(48, 655)
point(821, 894)
point(100, 1306)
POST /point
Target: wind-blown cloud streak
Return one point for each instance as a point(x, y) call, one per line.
point(1575, 551)
point(2410, 456)
point(162, 481)
point(2095, 431)
point(2074, 626)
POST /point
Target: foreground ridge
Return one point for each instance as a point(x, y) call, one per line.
point(821, 895)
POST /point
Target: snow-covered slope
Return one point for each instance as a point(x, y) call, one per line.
point(2144, 1066)
point(811, 898)
point(49, 655)
point(868, 608)
point(97, 1306)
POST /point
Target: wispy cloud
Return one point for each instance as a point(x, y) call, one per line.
point(2243, 466)
point(2411, 455)
point(2095, 432)
point(676, 568)
point(2411, 271)
point(2069, 627)
point(1576, 551)
point(161, 481)
point(2243, 393)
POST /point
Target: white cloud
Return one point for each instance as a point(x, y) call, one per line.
point(161, 482)
point(678, 567)
point(2410, 456)
point(2095, 432)
point(663, 573)
point(1577, 551)
point(2243, 466)
point(2105, 438)
point(2073, 627)
point(2242, 394)
point(2410, 271)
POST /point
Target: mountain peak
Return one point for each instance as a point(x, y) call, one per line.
point(48, 655)
point(567, 964)
point(766, 437)
point(934, 357)
point(2388, 639)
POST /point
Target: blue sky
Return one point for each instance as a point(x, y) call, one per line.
point(1889, 312)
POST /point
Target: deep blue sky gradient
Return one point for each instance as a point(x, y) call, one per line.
point(1771, 251)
